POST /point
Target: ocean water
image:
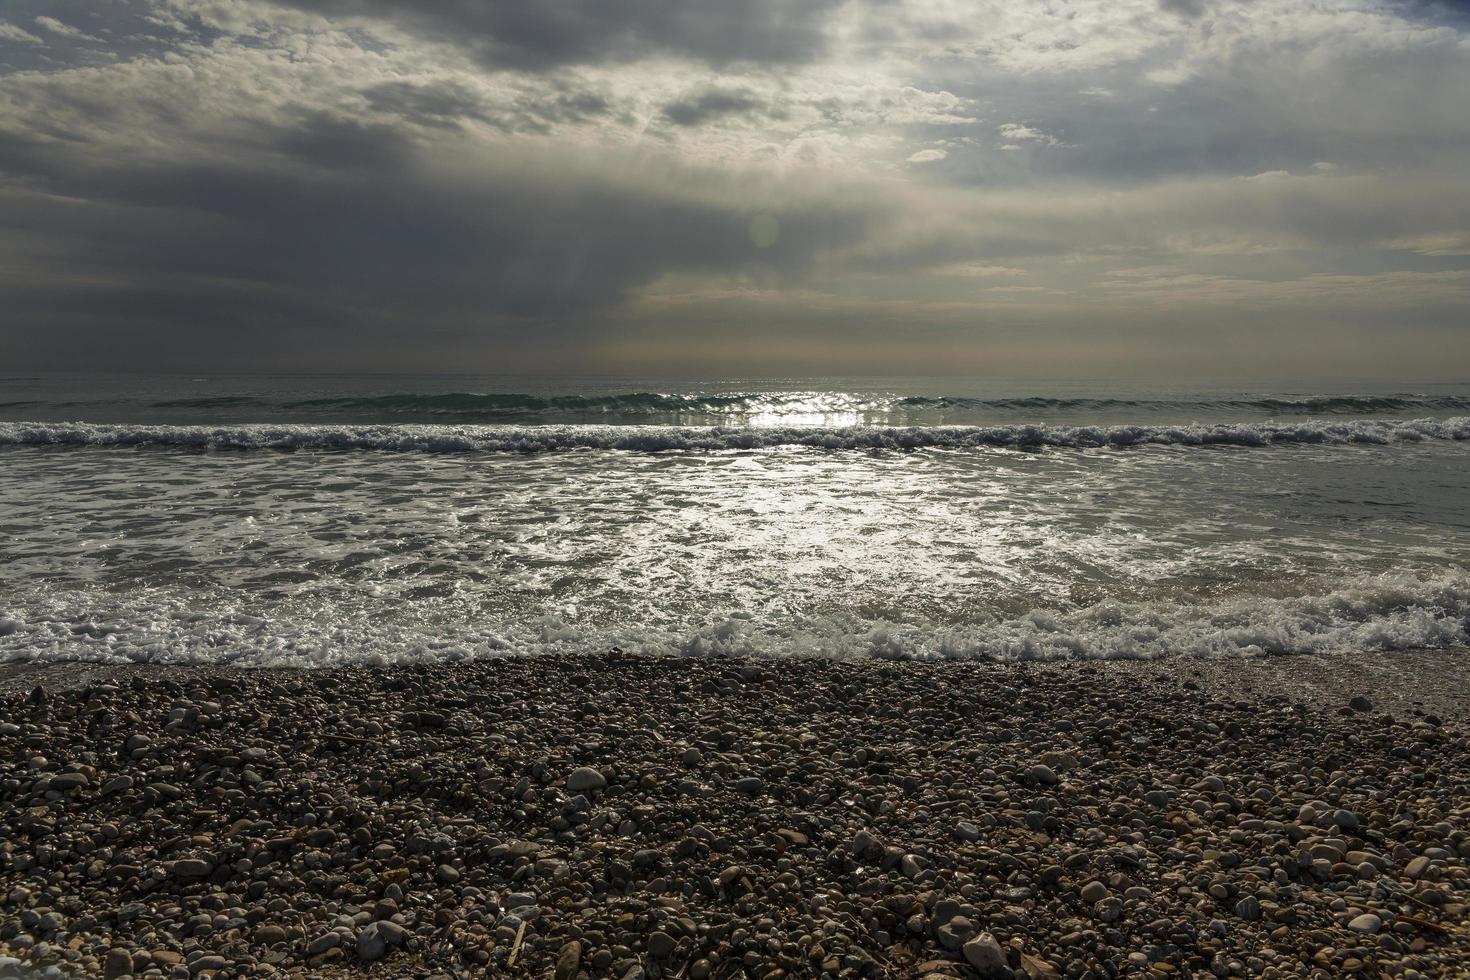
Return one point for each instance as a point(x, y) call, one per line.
point(313, 519)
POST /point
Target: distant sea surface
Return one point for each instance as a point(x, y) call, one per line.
point(310, 520)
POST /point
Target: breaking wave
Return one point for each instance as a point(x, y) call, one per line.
point(1380, 613)
point(535, 439)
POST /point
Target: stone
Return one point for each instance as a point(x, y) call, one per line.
point(117, 963)
point(584, 779)
point(1093, 892)
point(269, 934)
point(117, 784)
point(955, 933)
point(1042, 774)
point(1367, 923)
point(568, 960)
point(193, 868)
point(1248, 908)
point(660, 945)
point(69, 781)
point(986, 957)
point(750, 785)
point(370, 943)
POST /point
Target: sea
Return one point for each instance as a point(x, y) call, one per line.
point(311, 520)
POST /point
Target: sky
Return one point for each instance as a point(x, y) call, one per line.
point(1120, 188)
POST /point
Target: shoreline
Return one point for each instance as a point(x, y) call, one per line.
point(1393, 678)
point(621, 815)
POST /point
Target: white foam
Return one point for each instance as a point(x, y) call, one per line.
point(1378, 614)
point(652, 438)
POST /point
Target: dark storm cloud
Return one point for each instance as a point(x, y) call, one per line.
point(330, 221)
point(550, 33)
point(700, 108)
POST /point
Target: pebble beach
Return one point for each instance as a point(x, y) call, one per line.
point(626, 816)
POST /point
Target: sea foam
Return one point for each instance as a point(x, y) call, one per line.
point(1370, 616)
point(656, 438)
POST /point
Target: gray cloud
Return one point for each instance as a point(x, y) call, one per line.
point(551, 33)
point(699, 108)
point(402, 184)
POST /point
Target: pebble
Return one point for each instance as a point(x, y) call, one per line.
point(985, 955)
point(628, 816)
point(1367, 923)
point(584, 779)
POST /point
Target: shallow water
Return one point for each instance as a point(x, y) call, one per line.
point(145, 521)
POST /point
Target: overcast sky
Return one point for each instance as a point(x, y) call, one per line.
point(1150, 188)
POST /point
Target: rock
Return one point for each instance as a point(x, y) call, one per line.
point(1345, 820)
point(370, 943)
point(568, 960)
point(966, 831)
point(984, 954)
point(1360, 703)
point(1416, 868)
point(955, 933)
point(585, 779)
point(750, 785)
point(1367, 923)
point(1042, 774)
point(1036, 968)
point(866, 846)
point(118, 963)
point(1094, 892)
point(1248, 908)
point(660, 945)
point(117, 784)
point(193, 868)
point(269, 934)
point(1059, 761)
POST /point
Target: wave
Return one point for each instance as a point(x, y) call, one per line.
point(217, 401)
point(1316, 405)
point(1373, 614)
point(649, 438)
point(632, 403)
point(467, 405)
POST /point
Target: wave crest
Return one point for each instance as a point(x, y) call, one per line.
point(535, 439)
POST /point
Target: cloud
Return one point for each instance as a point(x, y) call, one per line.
point(552, 33)
point(10, 32)
point(1021, 133)
point(927, 156)
point(243, 178)
point(1434, 243)
point(700, 108)
point(61, 29)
